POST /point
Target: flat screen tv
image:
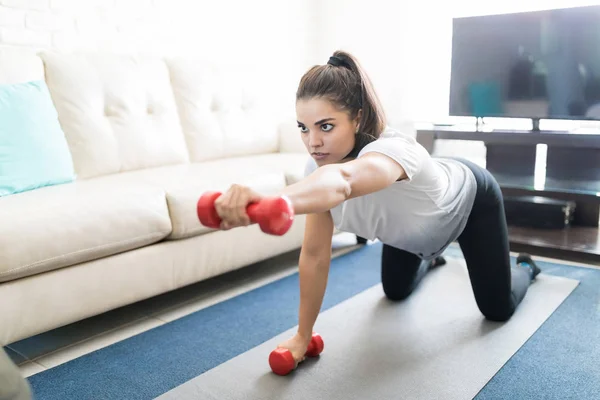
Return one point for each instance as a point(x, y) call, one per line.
point(538, 65)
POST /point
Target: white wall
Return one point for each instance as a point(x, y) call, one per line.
point(406, 48)
point(271, 34)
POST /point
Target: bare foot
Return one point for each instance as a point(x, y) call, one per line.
point(297, 345)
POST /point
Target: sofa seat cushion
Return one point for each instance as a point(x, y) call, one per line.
point(58, 226)
point(184, 184)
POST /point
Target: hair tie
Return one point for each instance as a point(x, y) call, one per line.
point(337, 62)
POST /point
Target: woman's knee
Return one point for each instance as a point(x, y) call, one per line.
point(498, 314)
point(401, 272)
point(396, 292)
point(396, 284)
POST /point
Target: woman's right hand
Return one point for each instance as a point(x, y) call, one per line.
point(232, 205)
point(297, 345)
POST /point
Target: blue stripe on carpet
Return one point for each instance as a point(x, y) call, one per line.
point(156, 361)
point(560, 360)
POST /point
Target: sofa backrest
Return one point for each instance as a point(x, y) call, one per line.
point(223, 109)
point(124, 112)
point(118, 112)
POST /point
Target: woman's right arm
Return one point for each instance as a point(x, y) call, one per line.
point(315, 259)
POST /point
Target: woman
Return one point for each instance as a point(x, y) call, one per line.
point(367, 179)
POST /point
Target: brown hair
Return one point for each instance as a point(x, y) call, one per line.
point(344, 82)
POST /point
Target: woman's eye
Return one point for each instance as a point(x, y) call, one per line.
point(327, 127)
point(302, 129)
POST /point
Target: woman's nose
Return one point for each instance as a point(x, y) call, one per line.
point(315, 140)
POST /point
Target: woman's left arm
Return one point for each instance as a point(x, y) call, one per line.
point(332, 184)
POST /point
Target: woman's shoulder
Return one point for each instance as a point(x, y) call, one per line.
point(390, 137)
point(390, 132)
point(401, 147)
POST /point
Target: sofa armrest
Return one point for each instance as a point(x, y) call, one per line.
point(289, 137)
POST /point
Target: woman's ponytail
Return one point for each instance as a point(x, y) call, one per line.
point(373, 119)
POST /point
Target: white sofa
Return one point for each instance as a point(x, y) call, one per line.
point(147, 137)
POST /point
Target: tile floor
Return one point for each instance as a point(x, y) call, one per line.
point(47, 350)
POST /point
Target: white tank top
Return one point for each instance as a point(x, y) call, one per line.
point(422, 214)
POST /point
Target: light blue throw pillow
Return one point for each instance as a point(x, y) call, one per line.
point(33, 150)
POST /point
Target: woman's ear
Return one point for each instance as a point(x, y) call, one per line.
point(357, 120)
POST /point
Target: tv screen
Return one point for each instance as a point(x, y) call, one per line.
point(540, 65)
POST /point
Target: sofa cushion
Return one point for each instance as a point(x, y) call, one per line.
point(290, 138)
point(33, 151)
point(118, 112)
point(221, 113)
point(184, 184)
point(182, 199)
point(58, 226)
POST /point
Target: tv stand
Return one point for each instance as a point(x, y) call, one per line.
point(571, 156)
point(572, 173)
point(479, 125)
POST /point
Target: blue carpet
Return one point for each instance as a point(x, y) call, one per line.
point(560, 361)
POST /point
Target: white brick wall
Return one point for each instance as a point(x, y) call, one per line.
point(77, 24)
point(26, 4)
point(223, 28)
point(24, 37)
point(11, 18)
point(269, 33)
point(48, 22)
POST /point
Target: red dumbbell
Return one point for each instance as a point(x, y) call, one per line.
point(282, 362)
point(274, 215)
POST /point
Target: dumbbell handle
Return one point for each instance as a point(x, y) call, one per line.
point(282, 362)
point(274, 215)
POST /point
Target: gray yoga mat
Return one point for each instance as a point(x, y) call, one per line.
point(434, 345)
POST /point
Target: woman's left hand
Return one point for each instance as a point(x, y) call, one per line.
point(231, 206)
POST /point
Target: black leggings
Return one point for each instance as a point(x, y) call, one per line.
point(497, 287)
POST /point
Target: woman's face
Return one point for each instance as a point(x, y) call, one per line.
point(327, 132)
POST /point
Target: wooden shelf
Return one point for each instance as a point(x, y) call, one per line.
point(572, 173)
point(513, 136)
point(575, 243)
